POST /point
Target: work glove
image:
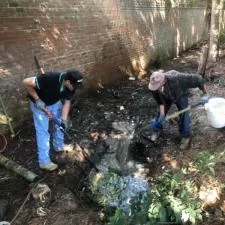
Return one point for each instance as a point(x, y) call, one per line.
point(161, 119)
point(155, 125)
point(64, 124)
point(40, 104)
point(205, 98)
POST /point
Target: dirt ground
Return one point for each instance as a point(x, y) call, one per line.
point(92, 118)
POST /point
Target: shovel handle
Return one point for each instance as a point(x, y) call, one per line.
point(39, 67)
point(176, 114)
point(61, 128)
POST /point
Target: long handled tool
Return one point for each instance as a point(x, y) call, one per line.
point(39, 67)
point(170, 117)
point(86, 156)
point(58, 123)
point(176, 114)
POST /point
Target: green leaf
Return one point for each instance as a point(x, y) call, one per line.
point(162, 214)
point(192, 219)
point(177, 217)
point(212, 170)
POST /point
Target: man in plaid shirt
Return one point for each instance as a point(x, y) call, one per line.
point(172, 88)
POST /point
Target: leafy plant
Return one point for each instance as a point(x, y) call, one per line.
point(118, 218)
point(174, 195)
point(222, 38)
point(173, 200)
point(205, 162)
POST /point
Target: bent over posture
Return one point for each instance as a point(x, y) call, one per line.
point(50, 97)
point(172, 88)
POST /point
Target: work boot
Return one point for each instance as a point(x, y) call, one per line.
point(185, 143)
point(49, 166)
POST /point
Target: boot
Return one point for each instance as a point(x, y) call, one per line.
point(49, 166)
point(185, 143)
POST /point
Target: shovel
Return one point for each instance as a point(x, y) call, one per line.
point(86, 156)
point(58, 123)
point(176, 114)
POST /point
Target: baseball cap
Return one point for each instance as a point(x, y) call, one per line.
point(75, 77)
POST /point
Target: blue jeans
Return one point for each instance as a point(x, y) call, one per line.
point(41, 123)
point(185, 120)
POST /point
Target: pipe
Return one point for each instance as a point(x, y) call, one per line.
point(18, 169)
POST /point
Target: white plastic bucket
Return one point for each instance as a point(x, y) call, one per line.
point(215, 110)
point(4, 223)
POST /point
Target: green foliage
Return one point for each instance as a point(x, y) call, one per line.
point(138, 218)
point(168, 3)
point(192, 3)
point(128, 195)
point(139, 211)
point(118, 218)
point(205, 162)
point(108, 189)
point(173, 200)
point(174, 196)
point(222, 39)
point(189, 3)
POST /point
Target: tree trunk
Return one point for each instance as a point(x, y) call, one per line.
point(210, 52)
point(204, 56)
point(214, 33)
point(203, 60)
point(221, 26)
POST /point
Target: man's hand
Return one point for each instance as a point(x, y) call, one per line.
point(155, 125)
point(205, 98)
point(161, 119)
point(64, 124)
point(40, 104)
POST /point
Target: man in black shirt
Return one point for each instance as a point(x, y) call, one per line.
point(172, 88)
point(51, 95)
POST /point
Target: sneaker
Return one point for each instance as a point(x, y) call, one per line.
point(185, 143)
point(49, 166)
point(154, 136)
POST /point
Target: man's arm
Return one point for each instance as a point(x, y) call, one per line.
point(205, 89)
point(162, 110)
point(65, 113)
point(66, 109)
point(29, 84)
point(196, 80)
